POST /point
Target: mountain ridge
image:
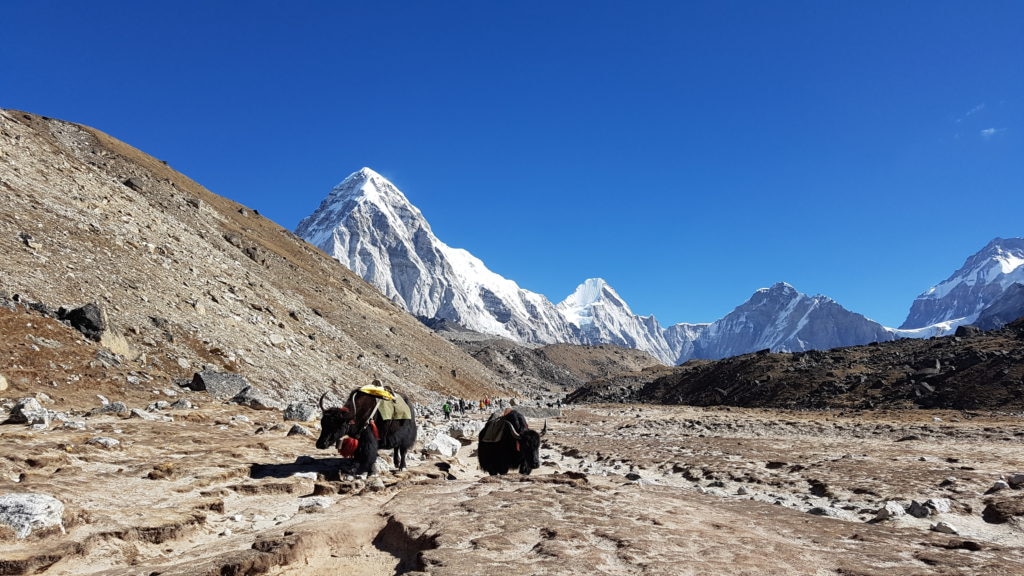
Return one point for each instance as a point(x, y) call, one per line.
point(401, 256)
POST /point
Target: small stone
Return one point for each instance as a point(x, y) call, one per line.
point(890, 510)
point(939, 505)
point(315, 504)
point(997, 486)
point(944, 527)
point(918, 510)
point(104, 441)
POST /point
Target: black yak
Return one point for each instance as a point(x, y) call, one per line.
point(507, 442)
point(369, 421)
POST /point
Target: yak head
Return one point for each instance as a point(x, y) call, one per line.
point(529, 447)
point(334, 424)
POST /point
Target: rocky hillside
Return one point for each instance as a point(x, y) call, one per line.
point(971, 370)
point(547, 373)
point(188, 280)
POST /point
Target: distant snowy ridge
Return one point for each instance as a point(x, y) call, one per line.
point(368, 225)
point(782, 319)
point(964, 296)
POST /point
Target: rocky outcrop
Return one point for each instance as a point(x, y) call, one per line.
point(979, 370)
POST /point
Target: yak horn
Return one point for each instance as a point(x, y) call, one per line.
point(321, 401)
point(544, 430)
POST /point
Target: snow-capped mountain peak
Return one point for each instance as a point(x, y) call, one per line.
point(578, 306)
point(979, 283)
point(369, 225)
point(780, 318)
point(601, 316)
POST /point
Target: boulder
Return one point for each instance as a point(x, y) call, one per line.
point(223, 385)
point(938, 505)
point(997, 486)
point(27, 512)
point(89, 320)
point(999, 510)
point(465, 431)
point(967, 331)
point(300, 412)
point(117, 408)
point(255, 399)
point(443, 445)
point(890, 510)
point(29, 411)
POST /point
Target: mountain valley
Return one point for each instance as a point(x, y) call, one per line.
point(124, 284)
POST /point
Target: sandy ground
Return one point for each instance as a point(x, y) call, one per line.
point(621, 490)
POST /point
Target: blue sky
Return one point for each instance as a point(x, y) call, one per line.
point(688, 152)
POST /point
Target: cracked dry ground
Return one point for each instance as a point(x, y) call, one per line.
point(622, 490)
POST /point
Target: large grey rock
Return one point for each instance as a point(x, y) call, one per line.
point(443, 445)
point(117, 408)
point(465, 431)
point(223, 385)
point(29, 411)
point(300, 412)
point(27, 512)
point(256, 400)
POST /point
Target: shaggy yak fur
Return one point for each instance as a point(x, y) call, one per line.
point(353, 420)
point(516, 446)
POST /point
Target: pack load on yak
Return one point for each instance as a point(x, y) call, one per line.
point(377, 390)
